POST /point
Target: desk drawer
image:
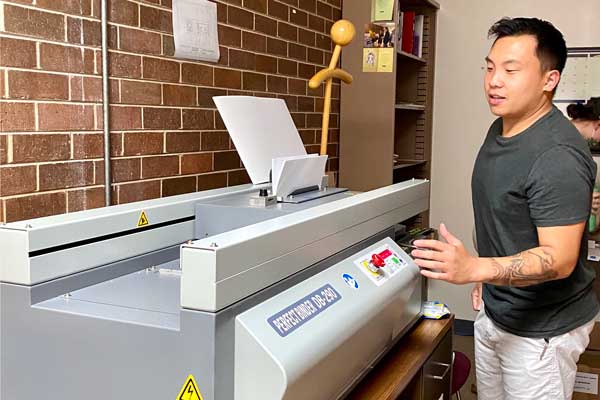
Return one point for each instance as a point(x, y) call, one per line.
point(437, 371)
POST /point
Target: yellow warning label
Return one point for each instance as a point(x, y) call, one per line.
point(143, 221)
point(189, 391)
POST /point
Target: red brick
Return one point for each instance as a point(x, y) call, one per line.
point(162, 118)
point(256, 5)
point(212, 181)
point(196, 74)
point(287, 31)
point(315, 56)
point(37, 86)
point(215, 140)
point(175, 186)
point(66, 175)
point(168, 48)
point(224, 160)
point(74, 29)
point(276, 47)
point(205, 96)
point(308, 5)
point(76, 7)
point(123, 12)
point(16, 117)
point(299, 120)
point(287, 67)
point(308, 137)
point(76, 88)
point(297, 51)
point(228, 78)
point(316, 23)
point(222, 13)
point(124, 65)
point(64, 117)
point(298, 17)
point(2, 219)
point(306, 104)
point(198, 119)
point(87, 145)
point(235, 178)
point(182, 142)
point(178, 95)
point(196, 163)
point(34, 23)
point(3, 148)
point(142, 143)
point(306, 71)
point(125, 169)
point(40, 147)
point(139, 191)
point(55, 57)
point(158, 20)
point(266, 64)
point(17, 180)
point(265, 25)
point(242, 59)
point(276, 84)
point(323, 42)
point(161, 70)
point(278, 10)
point(255, 82)
point(92, 33)
point(324, 10)
point(254, 42)
point(290, 101)
point(134, 92)
point(125, 118)
point(239, 17)
point(297, 86)
point(89, 60)
point(314, 120)
point(18, 53)
point(92, 89)
point(85, 199)
point(154, 167)
point(139, 41)
point(229, 36)
point(39, 205)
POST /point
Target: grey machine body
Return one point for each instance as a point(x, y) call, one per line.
point(94, 306)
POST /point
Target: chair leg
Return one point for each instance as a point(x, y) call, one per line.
point(458, 395)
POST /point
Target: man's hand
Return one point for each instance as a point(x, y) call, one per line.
point(595, 203)
point(449, 262)
point(476, 296)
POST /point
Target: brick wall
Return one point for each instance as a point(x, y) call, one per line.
point(166, 136)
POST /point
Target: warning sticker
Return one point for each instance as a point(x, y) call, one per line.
point(189, 391)
point(143, 221)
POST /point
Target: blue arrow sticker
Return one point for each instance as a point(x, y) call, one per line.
point(350, 281)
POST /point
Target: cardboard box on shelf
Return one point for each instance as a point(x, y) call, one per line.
point(588, 374)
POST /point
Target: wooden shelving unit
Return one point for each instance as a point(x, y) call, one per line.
point(383, 114)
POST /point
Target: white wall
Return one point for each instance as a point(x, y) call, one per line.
point(461, 115)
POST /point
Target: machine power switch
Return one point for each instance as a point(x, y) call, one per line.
point(377, 261)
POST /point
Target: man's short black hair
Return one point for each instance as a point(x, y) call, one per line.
point(551, 47)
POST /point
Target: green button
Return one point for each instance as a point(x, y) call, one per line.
point(395, 260)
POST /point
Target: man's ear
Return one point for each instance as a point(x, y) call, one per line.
point(552, 79)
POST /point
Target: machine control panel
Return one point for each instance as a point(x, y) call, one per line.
point(380, 264)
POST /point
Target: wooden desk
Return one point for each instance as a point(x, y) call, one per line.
point(419, 366)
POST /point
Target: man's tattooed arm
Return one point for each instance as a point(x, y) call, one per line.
point(527, 268)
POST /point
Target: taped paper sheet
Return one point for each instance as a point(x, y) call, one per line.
point(195, 30)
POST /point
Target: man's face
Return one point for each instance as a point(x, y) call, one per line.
point(514, 81)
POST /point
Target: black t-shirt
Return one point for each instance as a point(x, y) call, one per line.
point(542, 177)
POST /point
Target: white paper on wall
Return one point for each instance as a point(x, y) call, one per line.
point(195, 30)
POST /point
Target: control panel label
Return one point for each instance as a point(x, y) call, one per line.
point(380, 264)
point(293, 317)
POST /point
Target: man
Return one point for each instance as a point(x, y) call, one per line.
point(531, 187)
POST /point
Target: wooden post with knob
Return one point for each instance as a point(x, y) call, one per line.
point(342, 33)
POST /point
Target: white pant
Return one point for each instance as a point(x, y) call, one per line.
point(511, 367)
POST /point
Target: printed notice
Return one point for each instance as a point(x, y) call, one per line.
point(293, 317)
point(195, 30)
point(586, 383)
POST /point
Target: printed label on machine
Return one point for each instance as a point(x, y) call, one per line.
point(293, 317)
point(380, 264)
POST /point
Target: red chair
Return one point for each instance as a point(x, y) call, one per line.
point(461, 367)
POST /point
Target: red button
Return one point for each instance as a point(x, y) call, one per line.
point(385, 254)
point(377, 261)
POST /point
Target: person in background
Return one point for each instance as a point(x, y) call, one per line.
point(586, 118)
point(387, 37)
point(531, 189)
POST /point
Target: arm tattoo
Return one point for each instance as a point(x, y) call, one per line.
point(524, 269)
